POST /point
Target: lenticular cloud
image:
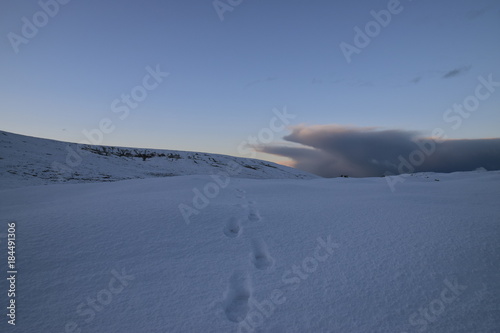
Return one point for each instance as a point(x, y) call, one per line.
point(333, 150)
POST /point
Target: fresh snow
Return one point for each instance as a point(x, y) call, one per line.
point(255, 255)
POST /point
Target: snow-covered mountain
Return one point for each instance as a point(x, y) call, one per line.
point(27, 160)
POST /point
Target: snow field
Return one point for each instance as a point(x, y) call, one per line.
point(423, 258)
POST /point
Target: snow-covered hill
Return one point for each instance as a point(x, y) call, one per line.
point(318, 255)
point(27, 160)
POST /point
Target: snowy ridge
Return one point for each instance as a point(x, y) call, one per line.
point(27, 160)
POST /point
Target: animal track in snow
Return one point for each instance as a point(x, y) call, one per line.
point(237, 297)
point(232, 228)
point(260, 255)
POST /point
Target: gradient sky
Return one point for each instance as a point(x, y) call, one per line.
point(225, 77)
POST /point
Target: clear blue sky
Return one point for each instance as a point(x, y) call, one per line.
point(225, 77)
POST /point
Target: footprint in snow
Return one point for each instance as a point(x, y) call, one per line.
point(253, 214)
point(241, 193)
point(232, 228)
point(236, 300)
point(260, 255)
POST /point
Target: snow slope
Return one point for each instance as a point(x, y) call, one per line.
point(27, 160)
point(275, 255)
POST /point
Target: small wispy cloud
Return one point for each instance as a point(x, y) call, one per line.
point(473, 14)
point(416, 79)
point(455, 72)
point(316, 80)
point(267, 79)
